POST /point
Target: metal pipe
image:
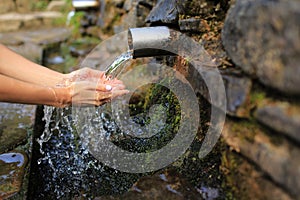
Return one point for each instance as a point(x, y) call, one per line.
point(150, 41)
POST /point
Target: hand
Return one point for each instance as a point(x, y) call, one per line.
point(88, 87)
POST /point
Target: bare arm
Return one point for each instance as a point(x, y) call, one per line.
point(22, 81)
point(12, 90)
point(17, 67)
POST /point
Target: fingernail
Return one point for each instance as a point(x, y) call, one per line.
point(108, 87)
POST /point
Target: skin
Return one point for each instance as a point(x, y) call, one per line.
point(22, 81)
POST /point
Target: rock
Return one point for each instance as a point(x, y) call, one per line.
point(118, 3)
point(32, 44)
point(11, 135)
point(16, 21)
point(48, 17)
point(44, 37)
point(14, 121)
point(192, 24)
point(8, 22)
point(93, 31)
point(7, 6)
point(142, 11)
point(30, 51)
point(164, 185)
point(56, 5)
point(24, 6)
point(12, 168)
point(164, 12)
point(247, 181)
point(127, 5)
point(238, 95)
point(282, 117)
point(202, 7)
point(278, 160)
point(262, 37)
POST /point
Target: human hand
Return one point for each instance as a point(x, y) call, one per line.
point(88, 87)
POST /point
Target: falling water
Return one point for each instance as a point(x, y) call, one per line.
point(68, 168)
point(117, 66)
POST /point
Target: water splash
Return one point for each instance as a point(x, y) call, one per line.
point(46, 135)
point(70, 169)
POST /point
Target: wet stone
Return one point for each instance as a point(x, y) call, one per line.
point(165, 11)
point(12, 166)
point(282, 117)
point(14, 121)
point(165, 185)
point(262, 37)
point(11, 135)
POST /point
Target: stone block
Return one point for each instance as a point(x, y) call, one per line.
point(44, 37)
point(238, 95)
point(30, 51)
point(278, 160)
point(262, 37)
point(202, 7)
point(282, 117)
point(25, 6)
point(191, 24)
point(7, 6)
point(13, 122)
point(56, 5)
point(164, 12)
point(16, 21)
point(10, 22)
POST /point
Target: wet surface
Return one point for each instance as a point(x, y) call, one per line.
point(12, 166)
point(14, 121)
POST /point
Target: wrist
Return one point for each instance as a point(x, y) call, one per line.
point(62, 96)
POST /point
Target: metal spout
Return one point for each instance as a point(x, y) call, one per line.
point(150, 41)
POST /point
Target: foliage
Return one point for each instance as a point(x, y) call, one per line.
point(39, 5)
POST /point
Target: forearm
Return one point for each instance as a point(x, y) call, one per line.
point(16, 91)
point(17, 67)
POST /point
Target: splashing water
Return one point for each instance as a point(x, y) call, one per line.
point(68, 169)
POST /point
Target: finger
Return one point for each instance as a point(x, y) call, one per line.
point(104, 87)
point(118, 87)
point(115, 81)
point(103, 95)
point(118, 93)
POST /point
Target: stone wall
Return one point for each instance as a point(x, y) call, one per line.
point(18, 15)
point(21, 6)
point(255, 45)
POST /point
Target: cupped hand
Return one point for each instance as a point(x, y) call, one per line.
point(91, 87)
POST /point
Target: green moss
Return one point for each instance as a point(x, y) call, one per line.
point(257, 97)
point(230, 163)
point(39, 5)
point(245, 129)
